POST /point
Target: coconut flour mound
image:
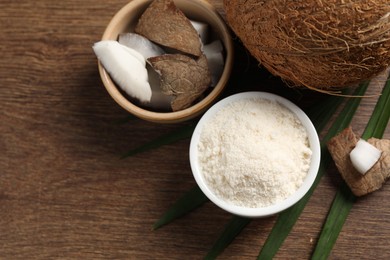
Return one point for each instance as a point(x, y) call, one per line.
point(254, 153)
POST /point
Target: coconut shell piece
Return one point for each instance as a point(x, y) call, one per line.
point(163, 23)
point(340, 147)
point(183, 77)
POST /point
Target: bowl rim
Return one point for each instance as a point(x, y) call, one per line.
point(185, 114)
point(272, 209)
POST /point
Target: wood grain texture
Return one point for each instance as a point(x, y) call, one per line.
point(64, 192)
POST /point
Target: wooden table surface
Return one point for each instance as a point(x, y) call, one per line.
point(66, 194)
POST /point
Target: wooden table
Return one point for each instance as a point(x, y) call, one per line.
point(64, 192)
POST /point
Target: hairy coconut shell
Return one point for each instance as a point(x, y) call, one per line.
point(325, 45)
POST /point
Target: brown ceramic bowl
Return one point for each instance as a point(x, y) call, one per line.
point(200, 10)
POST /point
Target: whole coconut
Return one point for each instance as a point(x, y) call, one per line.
point(321, 44)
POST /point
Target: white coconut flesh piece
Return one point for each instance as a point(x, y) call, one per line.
point(213, 47)
point(140, 44)
point(126, 68)
point(213, 52)
point(364, 156)
point(136, 55)
point(202, 29)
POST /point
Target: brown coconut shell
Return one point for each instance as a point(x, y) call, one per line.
point(182, 77)
point(164, 23)
point(325, 45)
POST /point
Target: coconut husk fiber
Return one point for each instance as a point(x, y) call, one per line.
point(324, 45)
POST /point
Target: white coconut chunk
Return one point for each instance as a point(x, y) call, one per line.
point(141, 44)
point(216, 64)
point(213, 47)
point(215, 60)
point(364, 156)
point(125, 68)
point(202, 29)
point(136, 54)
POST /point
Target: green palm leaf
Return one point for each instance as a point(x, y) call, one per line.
point(191, 200)
point(181, 133)
point(231, 230)
point(344, 199)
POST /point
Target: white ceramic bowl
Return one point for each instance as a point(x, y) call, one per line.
point(275, 208)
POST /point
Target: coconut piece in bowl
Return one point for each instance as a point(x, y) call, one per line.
point(182, 77)
point(215, 60)
point(163, 23)
point(126, 66)
point(140, 44)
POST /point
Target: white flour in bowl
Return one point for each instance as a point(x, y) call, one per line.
point(254, 153)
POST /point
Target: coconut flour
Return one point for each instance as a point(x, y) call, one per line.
point(254, 153)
